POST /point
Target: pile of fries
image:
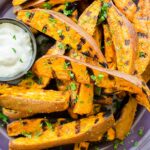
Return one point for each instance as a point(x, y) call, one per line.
point(96, 71)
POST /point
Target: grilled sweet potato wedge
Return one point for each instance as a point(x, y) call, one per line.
point(126, 43)
point(142, 25)
point(124, 124)
point(74, 132)
point(12, 114)
point(25, 126)
point(127, 7)
point(86, 73)
point(18, 2)
point(50, 22)
point(88, 19)
point(110, 53)
point(33, 101)
point(84, 103)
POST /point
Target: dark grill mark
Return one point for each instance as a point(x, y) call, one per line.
point(135, 72)
point(96, 120)
point(77, 127)
point(83, 40)
point(90, 71)
point(108, 39)
point(79, 46)
point(61, 11)
point(87, 53)
point(62, 37)
point(120, 23)
point(88, 13)
point(31, 15)
point(24, 123)
point(95, 57)
point(127, 42)
point(104, 64)
point(110, 77)
point(143, 35)
point(67, 28)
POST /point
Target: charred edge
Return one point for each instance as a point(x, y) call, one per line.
point(43, 125)
point(110, 77)
point(107, 113)
point(31, 15)
point(96, 120)
point(90, 71)
point(77, 127)
point(127, 42)
point(49, 61)
point(144, 91)
point(61, 11)
point(142, 35)
point(44, 29)
point(24, 123)
point(79, 46)
point(135, 72)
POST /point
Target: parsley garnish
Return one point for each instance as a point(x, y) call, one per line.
point(87, 85)
point(3, 118)
point(37, 134)
point(135, 143)
point(103, 13)
point(21, 60)
point(28, 14)
point(14, 37)
point(66, 65)
point(66, 11)
point(142, 54)
point(73, 86)
point(61, 46)
point(59, 32)
point(52, 20)
point(14, 50)
point(140, 132)
point(49, 125)
point(100, 77)
point(93, 77)
point(47, 5)
point(71, 74)
point(40, 80)
point(26, 134)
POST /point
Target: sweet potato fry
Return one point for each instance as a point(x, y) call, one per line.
point(12, 114)
point(82, 130)
point(30, 100)
point(110, 53)
point(127, 7)
point(88, 19)
point(126, 43)
point(86, 73)
point(50, 22)
point(142, 25)
point(124, 124)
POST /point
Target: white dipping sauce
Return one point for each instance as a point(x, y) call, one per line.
point(15, 50)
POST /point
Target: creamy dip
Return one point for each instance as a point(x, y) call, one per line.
point(15, 50)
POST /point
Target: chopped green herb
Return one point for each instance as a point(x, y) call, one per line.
point(47, 5)
point(26, 134)
point(28, 14)
point(59, 32)
point(135, 143)
point(14, 50)
point(37, 134)
point(142, 54)
point(14, 37)
point(103, 13)
point(49, 125)
point(75, 54)
point(76, 100)
point(29, 74)
point(100, 77)
point(66, 65)
point(116, 144)
point(61, 46)
point(44, 30)
point(140, 132)
point(40, 80)
point(73, 86)
point(97, 91)
point(21, 60)
point(71, 74)
point(93, 77)
point(52, 20)
point(88, 85)
point(66, 11)
point(3, 118)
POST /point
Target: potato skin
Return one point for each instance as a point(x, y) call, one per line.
point(66, 134)
point(33, 101)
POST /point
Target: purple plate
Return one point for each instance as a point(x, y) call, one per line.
point(132, 142)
